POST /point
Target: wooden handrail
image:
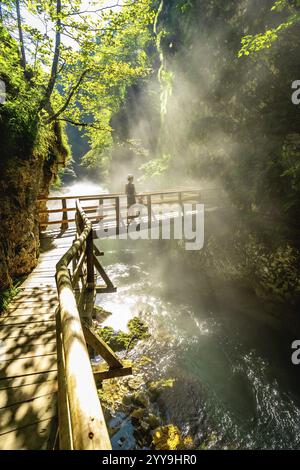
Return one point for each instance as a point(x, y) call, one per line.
point(118, 203)
point(81, 421)
point(114, 195)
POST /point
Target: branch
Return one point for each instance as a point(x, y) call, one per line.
point(71, 94)
point(45, 101)
point(80, 124)
point(73, 13)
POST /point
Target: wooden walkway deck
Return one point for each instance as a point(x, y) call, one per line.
point(28, 369)
point(28, 349)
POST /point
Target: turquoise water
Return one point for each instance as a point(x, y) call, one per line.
point(228, 353)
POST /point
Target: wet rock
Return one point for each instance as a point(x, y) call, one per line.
point(153, 421)
point(100, 314)
point(138, 413)
point(141, 399)
point(135, 383)
point(128, 400)
point(144, 426)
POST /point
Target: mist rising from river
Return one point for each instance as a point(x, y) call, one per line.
point(82, 187)
point(234, 383)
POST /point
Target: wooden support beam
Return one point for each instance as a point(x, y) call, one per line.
point(96, 250)
point(78, 269)
point(105, 289)
point(102, 372)
point(103, 274)
point(100, 346)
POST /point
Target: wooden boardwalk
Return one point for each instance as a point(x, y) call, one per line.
point(40, 351)
point(28, 369)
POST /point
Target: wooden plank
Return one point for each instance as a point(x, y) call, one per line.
point(27, 314)
point(35, 295)
point(24, 320)
point(27, 342)
point(32, 437)
point(18, 416)
point(28, 379)
point(12, 352)
point(35, 329)
point(11, 396)
point(30, 365)
point(33, 302)
point(100, 346)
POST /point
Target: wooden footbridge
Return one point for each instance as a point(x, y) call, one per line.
point(48, 387)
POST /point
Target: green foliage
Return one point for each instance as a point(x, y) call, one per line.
point(80, 77)
point(7, 295)
point(120, 340)
point(157, 167)
point(276, 272)
point(258, 42)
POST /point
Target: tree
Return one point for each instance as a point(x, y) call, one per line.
point(81, 59)
point(287, 9)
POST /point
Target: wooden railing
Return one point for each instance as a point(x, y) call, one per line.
point(80, 415)
point(112, 205)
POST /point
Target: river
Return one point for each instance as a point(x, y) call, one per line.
point(228, 355)
point(228, 352)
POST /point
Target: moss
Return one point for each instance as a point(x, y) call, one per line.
point(163, 383)
point(7, 295)
point(119, 340)
point(169, 437)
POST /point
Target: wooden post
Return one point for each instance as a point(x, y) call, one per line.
point(89, 431)
point(100, 211)
point(64, 223)
point(64, 421)
point(90, 261)
point(149, 210)
point(117, 216)
point(180, 200)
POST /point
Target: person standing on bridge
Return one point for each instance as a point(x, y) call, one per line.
point(131, 198)
point(130, 192)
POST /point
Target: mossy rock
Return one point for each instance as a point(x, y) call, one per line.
point(141, 399)
point(138, 414)
point(152, 420)
point(170, 438)
point(120, 341)
point(100, 313)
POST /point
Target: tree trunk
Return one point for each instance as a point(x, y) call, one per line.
point(46, 99)
point(21, 37)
